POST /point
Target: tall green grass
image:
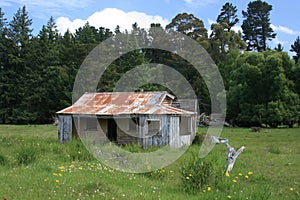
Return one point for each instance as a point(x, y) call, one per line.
point(33, 165)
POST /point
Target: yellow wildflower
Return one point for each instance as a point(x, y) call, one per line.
point(227, 174)
point(240, 174)
point(62, 168)
point(246, 177)
point(208, 189)
point(59, 174)
point(45, 179)
point(291, 189)
point(56, 181)
point(80, 168)
point(250, 173)
point(187, 178)
point(228, 197)
point(55, 174)
point(203, 190)
point(190, 174)
point(234, 180)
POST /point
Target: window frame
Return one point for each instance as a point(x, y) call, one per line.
point(156, 131)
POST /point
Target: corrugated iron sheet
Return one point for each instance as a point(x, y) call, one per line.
point(117, 103)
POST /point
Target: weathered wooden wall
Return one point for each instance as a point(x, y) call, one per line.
point(170, 128)
point(64, 128)
point(174, 132)
point(124, 134)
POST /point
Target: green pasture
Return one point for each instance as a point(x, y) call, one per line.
point(33, 165)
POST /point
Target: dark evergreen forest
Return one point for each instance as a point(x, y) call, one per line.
point(262, 84)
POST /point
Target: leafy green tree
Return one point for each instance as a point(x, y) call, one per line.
point(260, 91)
point(223, 41)
point(189, 25)
point(297, 80)
point(296, 49)
point(256, 26)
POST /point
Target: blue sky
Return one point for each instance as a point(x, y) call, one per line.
point(109, 13)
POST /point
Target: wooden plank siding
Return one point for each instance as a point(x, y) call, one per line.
point(161, 138)
point(174, 130)
point(64, 128)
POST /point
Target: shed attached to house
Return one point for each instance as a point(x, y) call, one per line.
point(146, 118)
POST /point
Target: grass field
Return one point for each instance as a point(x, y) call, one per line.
point(33, 165)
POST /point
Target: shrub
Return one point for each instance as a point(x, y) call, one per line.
point(2, 160)
point(77, 151)
point(199, 138)
point(157, 174)
point(274, 149)
point(197, 174)
point(26, 154)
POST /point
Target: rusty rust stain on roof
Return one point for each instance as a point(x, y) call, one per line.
point(116, 103)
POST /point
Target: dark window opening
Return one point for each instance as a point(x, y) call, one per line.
point(153, 127)
point(133, 123)
point(91, 124)
point(112, 130)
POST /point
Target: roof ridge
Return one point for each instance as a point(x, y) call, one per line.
point(130, 92)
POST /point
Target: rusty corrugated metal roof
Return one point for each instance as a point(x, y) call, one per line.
point(116, 103)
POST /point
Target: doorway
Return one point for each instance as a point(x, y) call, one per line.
point(112, 130)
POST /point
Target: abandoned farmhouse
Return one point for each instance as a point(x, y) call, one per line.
point(145, 118)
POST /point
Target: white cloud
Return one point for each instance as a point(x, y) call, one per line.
point(110, 18)
point(210, 22)
point(199, 3)
point(237, 29)
point(277, 41)
point(284, 29)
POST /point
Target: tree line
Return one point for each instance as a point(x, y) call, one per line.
point(37, 72)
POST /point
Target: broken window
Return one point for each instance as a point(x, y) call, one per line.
point(153, 126)
point(133, 123)
point(185, 125)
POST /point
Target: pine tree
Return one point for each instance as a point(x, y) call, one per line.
point(20, 31)
point(223, 39)
point(228, 15)
point(296, 49)
point(256, 26)
point(19, 36)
